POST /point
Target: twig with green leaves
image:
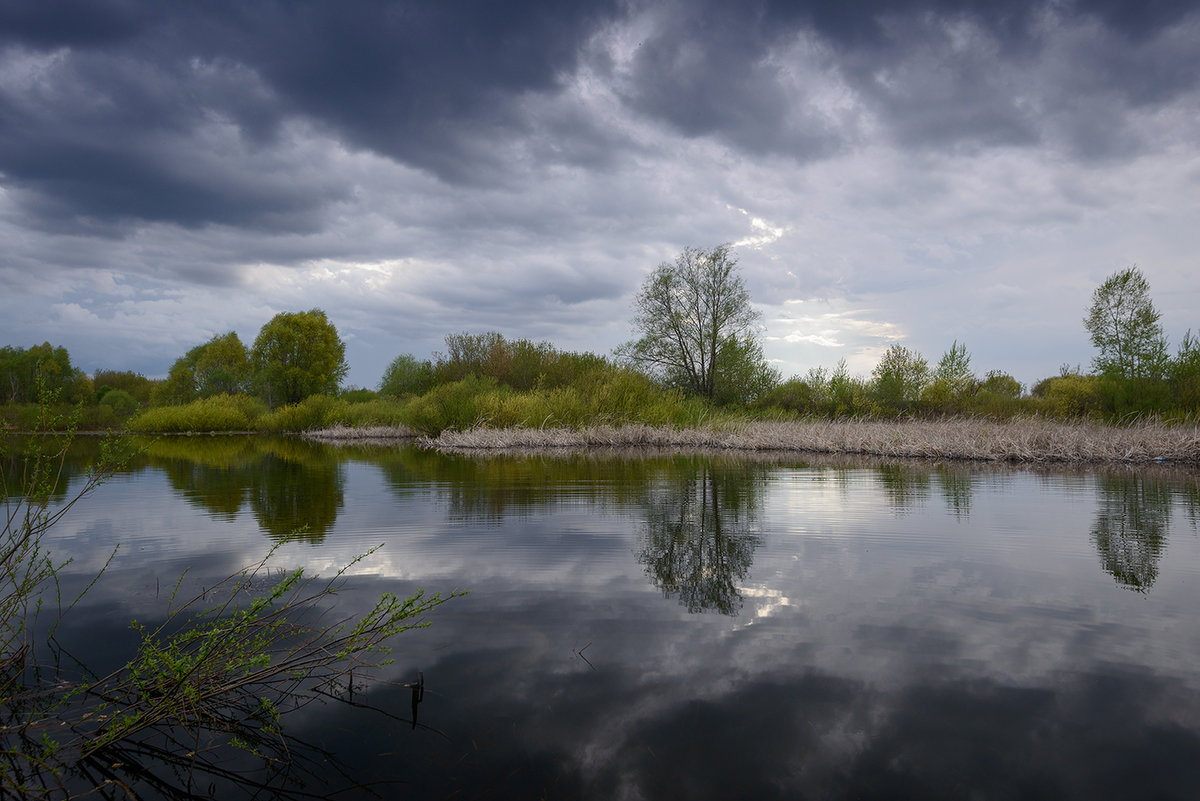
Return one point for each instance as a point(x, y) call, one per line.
point(220, 669)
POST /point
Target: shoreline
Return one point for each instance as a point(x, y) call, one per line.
point(1022, 441)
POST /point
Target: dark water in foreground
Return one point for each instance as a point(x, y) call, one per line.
point(708, 627)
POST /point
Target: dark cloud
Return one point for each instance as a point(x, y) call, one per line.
point(934, 75)
point(116, 111)
point(72, 23)
point(416, 81)
point(1137, 21)
point(93, 138)
point(709, 71)
point(115, 105)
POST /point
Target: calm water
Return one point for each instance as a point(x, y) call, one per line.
point(708, 627)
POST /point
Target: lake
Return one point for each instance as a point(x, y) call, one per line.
point(701, 626)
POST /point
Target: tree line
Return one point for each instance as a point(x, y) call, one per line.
point(696, 335)
point(295, 355)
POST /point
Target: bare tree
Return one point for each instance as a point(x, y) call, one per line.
point(697, 325)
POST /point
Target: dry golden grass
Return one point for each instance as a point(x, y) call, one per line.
point(1025, 440)
point(340, 433)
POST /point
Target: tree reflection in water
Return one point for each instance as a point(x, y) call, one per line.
point(904, 486)
point(296, 499)
point(1131, 528)
point(701, 531)
point(957, 488)
point(295, 489)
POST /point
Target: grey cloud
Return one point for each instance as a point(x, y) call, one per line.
point(933, 75)
point(100, 139)
point(418, 81)
point(1067, 77)
point(109, 126)
point(123, 106)
point(76, 22)
point(710, 71)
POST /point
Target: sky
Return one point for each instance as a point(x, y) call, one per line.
point(918, 172)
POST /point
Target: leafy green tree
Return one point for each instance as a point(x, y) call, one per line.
point(952, 381)
point(1184, 372)
point(694, 318)
point(136, 384)
point(900, 377)
point(1123, 324)
point(222, 366)
point(1186, 363)
point(180, 386)
point(297, 354)
point(21, 369)
point(123, 404)
point(743, 375)
point(407, 376)
point(847, 393)
point(1001, 384)
point(219, 366)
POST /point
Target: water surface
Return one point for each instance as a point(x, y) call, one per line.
point(707, 626)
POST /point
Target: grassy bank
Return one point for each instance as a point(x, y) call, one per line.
point(616, 397)
point(1022, 440)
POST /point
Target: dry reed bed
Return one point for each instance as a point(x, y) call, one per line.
point(340, 433)
point(1027, 440)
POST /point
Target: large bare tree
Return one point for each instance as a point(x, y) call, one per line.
point(697, 328)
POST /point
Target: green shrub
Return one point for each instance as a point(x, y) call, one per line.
point(449, 406)
point(315, 411)
point(513, 409)
point(1070, 395)
point(1123, 397)
point(358, 395)
point(218, 413)
point(121, 402)
point(406, 376)
point(997, 405)
point(794, 395)
point(376, 412)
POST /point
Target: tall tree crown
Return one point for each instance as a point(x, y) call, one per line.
point(1124, 326)
point(697, 327)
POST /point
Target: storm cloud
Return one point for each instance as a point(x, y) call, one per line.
point(940, 170)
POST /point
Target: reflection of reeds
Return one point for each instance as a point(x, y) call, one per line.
point(1021, 440)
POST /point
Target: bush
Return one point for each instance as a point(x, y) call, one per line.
point(377, 412)
point(315, 411)
point(520, 364)
point(358, 395)
point(121, 402)
point(794, 395)
point(406, 376)
point(454, 406)
point(1070, 395)
point(218, 413)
